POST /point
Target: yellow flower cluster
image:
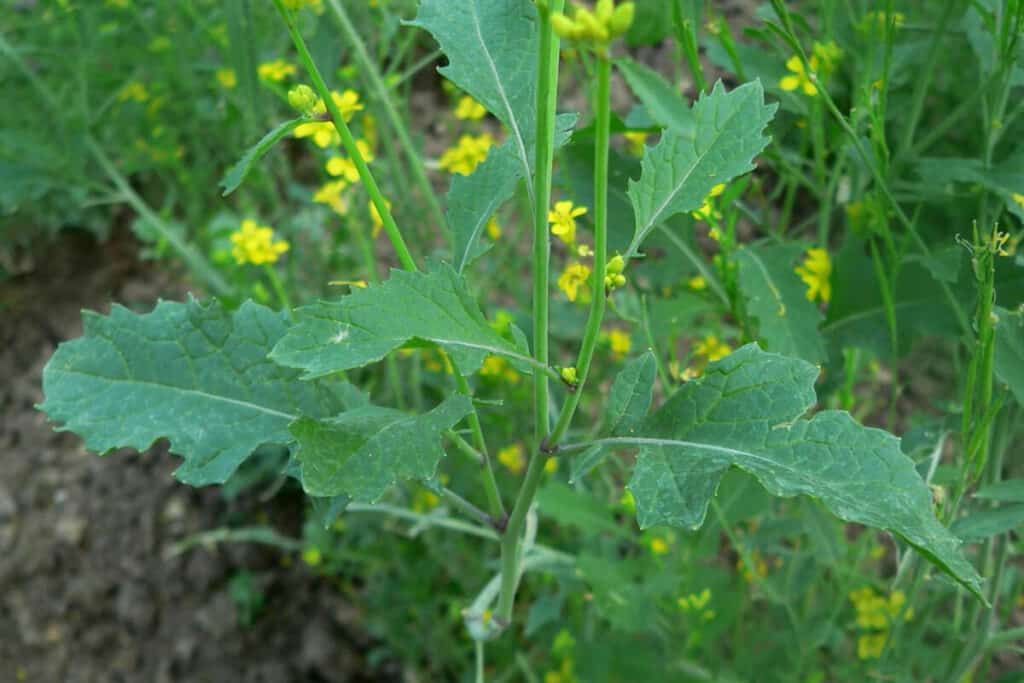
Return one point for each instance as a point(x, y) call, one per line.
point(227, 78)
point(816, 272)
point(513, 458)
point(469, 109)
point(705, 351)
point(620, 342)
point(636, 139)
point(255, 244)
point(496, 367)
point(822, 61)
point(464, 156)
point(599, 26)
point(275, 71)
point(345, 167)
point(134, 91)
point(707, 211)
point(563, 220)
point(875, 614)
point(562, 649)
point(323, 132)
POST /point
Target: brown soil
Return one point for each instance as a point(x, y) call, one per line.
point(89, 591)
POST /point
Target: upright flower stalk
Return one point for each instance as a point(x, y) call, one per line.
point(348, 140)
point(547, 96)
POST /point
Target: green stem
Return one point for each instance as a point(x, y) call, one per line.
point(372, 189)
point(368, 70)
point(278, 287)
point(597, 304)
point(192, 258)
point(487, 473)
point(547, 96)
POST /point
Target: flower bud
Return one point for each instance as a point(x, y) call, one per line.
point(604, 10)
point(616, 265)
point(622, 18)
point(563, 26)
point(569, 376)
point(589, 26)
point(302, 99)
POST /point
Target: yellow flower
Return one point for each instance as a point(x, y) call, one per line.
point(469, 109)
point(345, 167)
point(275, 71)
point(323, 132)
point(378, 222)
point(659, 546)
point(255, 244)
point(707, 211)
point(695, 601)
point(551, 465)
point(798, 78)
point(499, 368)
point(871, 645)
point(330, 194)
point(563, 222)
point(493, 228)
point(466, 154)
point(134, 91)
point(425, 500)
point(711, 348)
point(620, 342)
point(636, 140)
point(697, 283)
point(227, 78)
point(572, 279)
point(1018, 198)
point(816, 271)
point(513, 458)
point(312, 556)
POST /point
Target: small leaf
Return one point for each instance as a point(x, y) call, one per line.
point(1009, 491)
point(491, 47)
point(363, 327)
point(679, 172)
point(194, 374)
point(746, 412)
point(363, 452)
point(630, 397)
point(663, 102)
point(583, 464)
point(788, 322)
point(473, 199)
point(980, 525)
point(577, 508)
point(237, 173)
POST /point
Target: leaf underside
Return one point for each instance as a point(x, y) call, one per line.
point(194, 374)
point(746, 412)
point(363, 327)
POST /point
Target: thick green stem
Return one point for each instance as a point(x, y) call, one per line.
point(347, 139)
point(547, 97)
point(368, 70)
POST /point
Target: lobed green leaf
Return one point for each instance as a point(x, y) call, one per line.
point(679, 172)
point(197, 375)
point(363, 327)
point(746, 412)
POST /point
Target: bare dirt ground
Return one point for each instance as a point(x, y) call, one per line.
point(89, 591)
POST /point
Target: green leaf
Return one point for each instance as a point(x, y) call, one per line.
point(363, 327)
point(584, 463)
point(663, 102)
point(194, 374)
point(775, 295)
point(473, 199)
point(630, 397)
point(1010, 491)
point(980, 525)
point(580, 509)
point(491, 47)
point(1009, 351)
point(237, 173)
point(746, 412)
point(363, 452)
point(679, 172)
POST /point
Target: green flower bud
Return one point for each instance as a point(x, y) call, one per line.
point(592, 29)
point(563, 26)
point(622, 18)
point(604, 10)
point(302, 99)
